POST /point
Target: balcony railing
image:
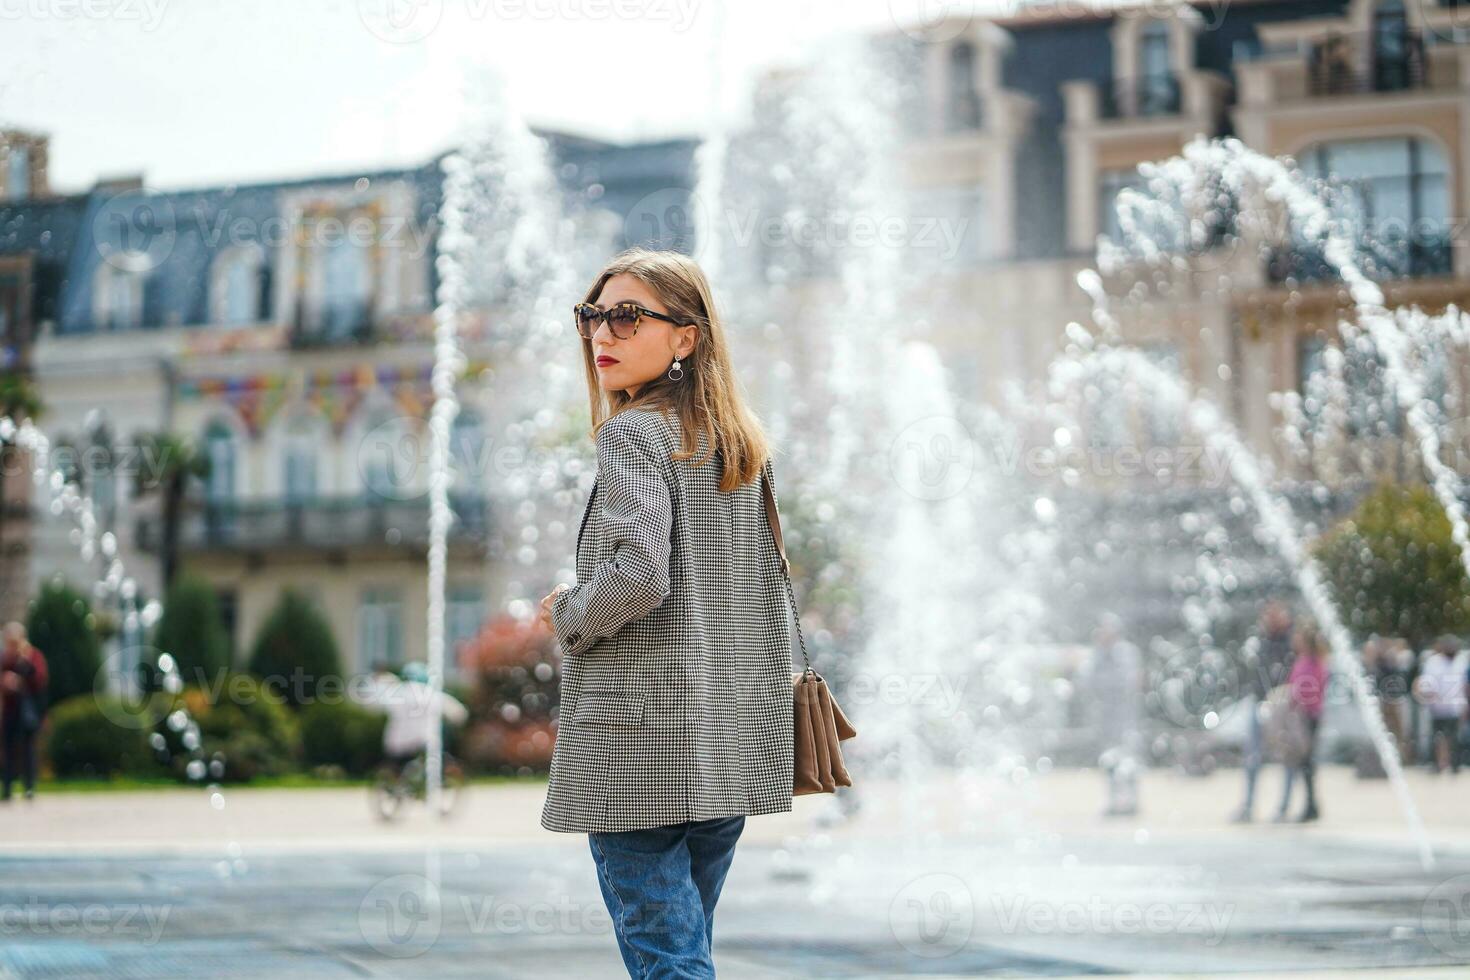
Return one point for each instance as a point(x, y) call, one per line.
point(1144, 95)
point(1334, 69)
point(1396, 260)
point(332, 324)
point(323, 523)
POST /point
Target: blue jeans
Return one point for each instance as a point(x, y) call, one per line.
point(660, 886)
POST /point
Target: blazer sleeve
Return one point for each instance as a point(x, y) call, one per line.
point(638, 520)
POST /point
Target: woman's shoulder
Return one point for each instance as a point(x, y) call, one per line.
point(640, 424)
point(649, 431)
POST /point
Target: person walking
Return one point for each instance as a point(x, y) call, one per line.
point(23, 682)
point(409, 703)
point(1441, 687)
point(1267, 661)
point(1113, 680)
point(1307, 684)
point(675, 721)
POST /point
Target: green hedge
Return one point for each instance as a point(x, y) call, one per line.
point(346, 735)
point(87, 740)
point(246, 730)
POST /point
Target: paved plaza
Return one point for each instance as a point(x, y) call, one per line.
point(1011, 879)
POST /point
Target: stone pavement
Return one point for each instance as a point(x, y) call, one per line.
point(1016, 877)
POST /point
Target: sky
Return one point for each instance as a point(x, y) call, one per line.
point(195, 93)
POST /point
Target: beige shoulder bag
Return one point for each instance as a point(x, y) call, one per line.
point(819, 723)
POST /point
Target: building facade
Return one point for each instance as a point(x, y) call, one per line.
point(284, 330)
point(1040, 120)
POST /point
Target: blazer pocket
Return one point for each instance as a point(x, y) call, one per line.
point(608, 708)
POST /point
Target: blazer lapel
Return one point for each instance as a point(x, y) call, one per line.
point(586, 511)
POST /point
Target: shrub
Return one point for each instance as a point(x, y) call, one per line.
point(245, 730)
point(61, 625)
point(85, 740)
point(346, 735)
point(296, 641)
point(192, 632)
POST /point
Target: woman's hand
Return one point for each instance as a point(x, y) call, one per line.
point(545, 616)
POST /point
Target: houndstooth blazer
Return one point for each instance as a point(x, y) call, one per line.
point(676, 698)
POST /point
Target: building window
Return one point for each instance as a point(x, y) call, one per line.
point(380, 627)
point(219, 484)
point(1153, 49)
point(963, 101)
point(18, 173)
point(1371, 407)
point(464, 613)
point(98, 469)
point(1396, 62)
point(120, 295)
point(467, 449)
point(299, 462)
point(1111, 184)
point(387, 454)
point(344, 289)
point(241, 287)
point(219, 449)
point(1392, 196)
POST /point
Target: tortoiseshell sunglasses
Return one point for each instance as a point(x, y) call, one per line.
point(622, 319)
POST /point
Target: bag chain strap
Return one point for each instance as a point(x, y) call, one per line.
point(774, 518)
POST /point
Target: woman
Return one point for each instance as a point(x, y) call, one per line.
point(676, 701)
point(1307, 684)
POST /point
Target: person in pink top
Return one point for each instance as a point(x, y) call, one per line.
point(1307, 683)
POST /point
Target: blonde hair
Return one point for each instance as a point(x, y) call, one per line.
point(708, 397)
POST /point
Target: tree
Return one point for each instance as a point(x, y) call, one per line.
point(1394, 568)
point(166, 463)
point(62, 627)
point(295, 641)
point(192, 632)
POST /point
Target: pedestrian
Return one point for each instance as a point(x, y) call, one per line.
point(23, 683)
point(1307, 684)
point(1267, 661)
point(1441, 687)
point(675, 721)
point(1113, 683)
point(1398, 685)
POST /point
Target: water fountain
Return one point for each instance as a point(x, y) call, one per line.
point(70, 500)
